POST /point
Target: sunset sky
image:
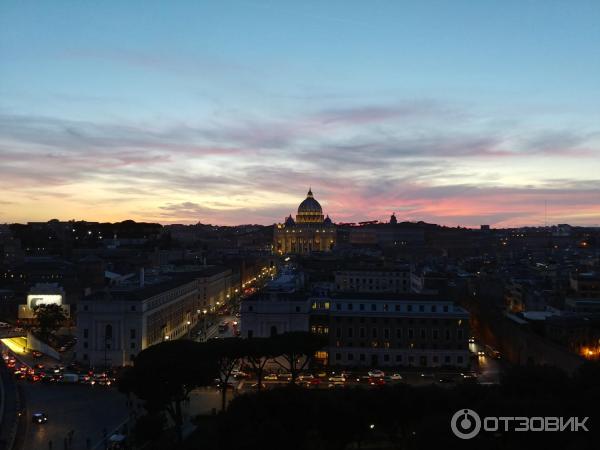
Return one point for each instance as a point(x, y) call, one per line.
point(225, 112)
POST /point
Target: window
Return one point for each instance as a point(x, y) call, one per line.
point(108, 332)
point(297, 309)
point(433, 308)
point(385, 307)
point(338, 333)
point(459, 359)
point(459, 333)
point(386, 333)
point(374, 332)
point(132, 345)
point(338, 356)
point(132, 333)
point(250, 333)
point(423, 333)
point(350, 356)
point(350, 306)
point(447, 359)
point(338, 306)
point(386, 357)
point(85, 345)
point(361, 332)
point(410, 333)
point(362, 357)
point(445, 308)
point(85, 333)
point(397, 307)
point(350, 332)
point(421, 308)
point(398, 333)
point(398, 358)
point(435, 334)
point(250, 308)
point(361, 307)
point(273, 330)
point(447, 335)
point(133, 307)
point(409, 308)
point(373, 307)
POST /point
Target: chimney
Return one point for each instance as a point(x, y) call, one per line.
point(142, 280)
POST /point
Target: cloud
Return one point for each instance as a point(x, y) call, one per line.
point(428, 160)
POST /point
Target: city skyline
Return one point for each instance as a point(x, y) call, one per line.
point(226, 113)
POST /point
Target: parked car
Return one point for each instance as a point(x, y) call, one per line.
point(395, 377)
point(337, 379)
point(270, 377)
point(377, 381)
point(376, 373)
point(306, 376)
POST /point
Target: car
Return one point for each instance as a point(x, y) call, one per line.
point(39, 418)
point(376, 381)
point(446, 380)
point(270, 377)
point(4, 325)
point(19, 330)
point(480, 353)
point(337, 379)
point(314, 382)
point(471, 340)
point(376, 373)
point(255, 386)
point(284, 376)
point(427, 375)
point(395, 377)
point(306, 376)
point(36, 354)
point(238, 374)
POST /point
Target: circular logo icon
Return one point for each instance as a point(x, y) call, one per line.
point(465, 423)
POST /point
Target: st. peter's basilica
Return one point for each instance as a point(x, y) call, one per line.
point(311, 231)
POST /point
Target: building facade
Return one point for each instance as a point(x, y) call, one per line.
point(311, 231)
point(389, 330)
point(114, 325)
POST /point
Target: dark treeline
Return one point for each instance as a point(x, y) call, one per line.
point(386, 417)
point(407, 417)
point(164, 375)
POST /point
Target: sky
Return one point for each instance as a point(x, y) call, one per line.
point(225, 112)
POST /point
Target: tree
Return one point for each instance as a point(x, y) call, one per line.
point(297, 349)
point(49, 319)
point(258, 352)
point(227, 353)
point(164, 375)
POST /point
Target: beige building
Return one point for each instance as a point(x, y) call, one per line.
point(115, 324)
point(310, 232)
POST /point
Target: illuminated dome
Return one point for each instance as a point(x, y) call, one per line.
point(309, 210)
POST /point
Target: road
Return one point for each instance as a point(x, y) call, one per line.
point(86, 410)
point(213, 330)
point(490, 369)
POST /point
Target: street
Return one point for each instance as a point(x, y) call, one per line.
point(84, 409)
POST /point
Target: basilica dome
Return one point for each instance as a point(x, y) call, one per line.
point(310, 204)
point(309, 210)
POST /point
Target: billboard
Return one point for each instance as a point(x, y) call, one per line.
point(34, 300)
